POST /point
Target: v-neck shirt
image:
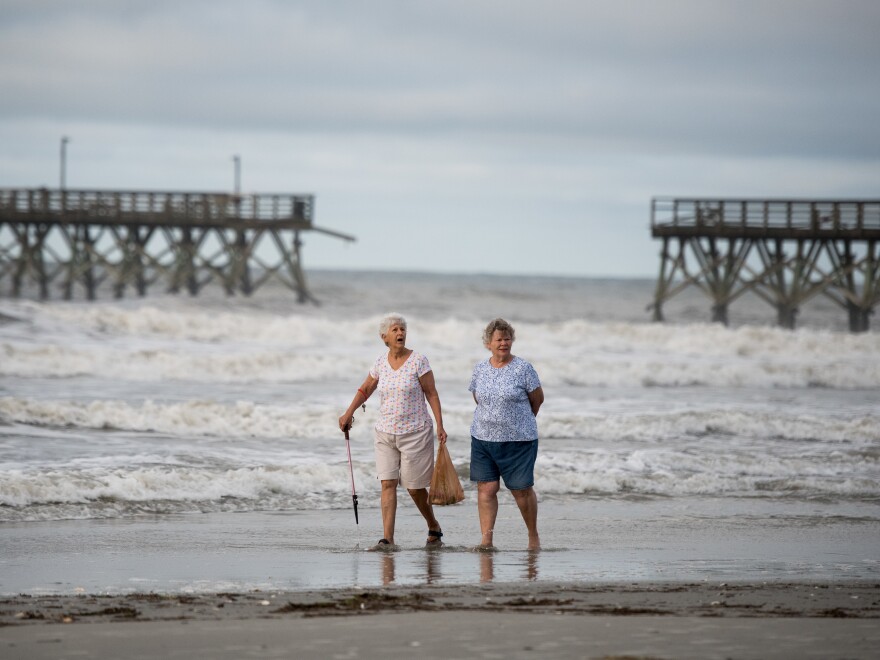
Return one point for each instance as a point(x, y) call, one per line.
point(402, 407)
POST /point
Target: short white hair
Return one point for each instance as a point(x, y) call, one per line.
point(388, 320)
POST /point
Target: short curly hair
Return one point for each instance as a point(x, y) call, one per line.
point(388, 320)
point(498, 324)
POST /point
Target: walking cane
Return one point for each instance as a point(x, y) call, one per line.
point(354, 497)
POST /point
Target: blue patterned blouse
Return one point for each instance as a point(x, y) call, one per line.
point(503, 412)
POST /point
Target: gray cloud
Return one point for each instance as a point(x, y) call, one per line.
point(776, 78)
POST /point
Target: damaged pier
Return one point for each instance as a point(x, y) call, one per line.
point(76, 240)
point(783, 251)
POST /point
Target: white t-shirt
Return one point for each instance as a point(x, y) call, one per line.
point(402, 408)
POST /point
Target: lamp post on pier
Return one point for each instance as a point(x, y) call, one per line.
point(242, 249)
point(64, 141)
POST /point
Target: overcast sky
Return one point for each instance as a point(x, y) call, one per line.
point(470, 136)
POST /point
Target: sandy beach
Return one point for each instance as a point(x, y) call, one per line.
point(525, 620)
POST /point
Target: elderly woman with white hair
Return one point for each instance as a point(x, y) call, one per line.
point(404, 435)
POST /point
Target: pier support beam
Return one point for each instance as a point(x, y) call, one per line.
point(786, 316)
point(719, 314)
point(24, 251)
point(859, 319)
point(662, 283)
point(243, 269)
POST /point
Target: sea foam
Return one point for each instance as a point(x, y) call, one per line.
point(252, 420)
point(147, 345)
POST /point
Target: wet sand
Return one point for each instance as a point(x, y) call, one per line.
point(576, 620)
point(628, 579)
point(610, 542)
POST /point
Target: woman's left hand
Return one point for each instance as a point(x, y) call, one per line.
point(441, 435)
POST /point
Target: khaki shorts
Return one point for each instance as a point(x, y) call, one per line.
point(408, 457)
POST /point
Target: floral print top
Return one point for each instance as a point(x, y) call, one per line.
point(402, 408)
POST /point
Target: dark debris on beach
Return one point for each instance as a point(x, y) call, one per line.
point(800, 600)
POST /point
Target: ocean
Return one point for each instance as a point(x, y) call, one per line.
point(191, 443)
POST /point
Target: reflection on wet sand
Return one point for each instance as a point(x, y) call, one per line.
point(487, 565)
point(388, 568)
point(428, 568)
point(431, 573)
point(432, 567)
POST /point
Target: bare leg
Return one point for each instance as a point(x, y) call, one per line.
point(389, 508)
point(527, 502)
point(487, 506)
point(423, 503)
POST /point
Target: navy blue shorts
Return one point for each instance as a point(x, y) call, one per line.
point(512, 461)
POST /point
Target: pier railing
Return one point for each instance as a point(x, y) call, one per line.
point(783, 251)
point(156, 208)
point(857, 219)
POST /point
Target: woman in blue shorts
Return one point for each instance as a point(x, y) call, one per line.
point(504, 433)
